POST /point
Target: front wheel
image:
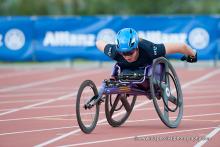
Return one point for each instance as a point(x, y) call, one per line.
point(87, 117)
point(166, 92)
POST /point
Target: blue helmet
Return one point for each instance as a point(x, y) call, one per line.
point(127, 40)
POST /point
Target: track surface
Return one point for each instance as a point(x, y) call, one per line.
point(37, 108)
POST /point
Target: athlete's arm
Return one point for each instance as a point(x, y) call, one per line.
point(179, 48)
point(191, 55)
point(100, 44)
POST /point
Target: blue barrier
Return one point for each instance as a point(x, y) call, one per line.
point(59, 38)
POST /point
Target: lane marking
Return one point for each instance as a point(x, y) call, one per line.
point(15, 73)
point(203, 78)
point(202, 91)
point(101, 112)
point(40, 103)
point(185, 106)
point(100, 124)
point(139, 109)
point(50, 100)
point(202, 120)
point(52, 80)
point(78, 130)
point(34, 94)
point(21, 101)
point(133, 137)
point(39, 130)
point(209, 136)
point(103, 120)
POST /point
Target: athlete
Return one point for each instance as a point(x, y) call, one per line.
point(130, 51)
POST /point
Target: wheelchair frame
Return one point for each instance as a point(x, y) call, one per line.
point(123, 89)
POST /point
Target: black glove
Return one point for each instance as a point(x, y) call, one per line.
point(190, 59)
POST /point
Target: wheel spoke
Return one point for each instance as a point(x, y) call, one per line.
point(125, 103)
point(173, 99)
point(114, 105)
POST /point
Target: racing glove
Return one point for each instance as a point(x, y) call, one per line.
point(190, 59)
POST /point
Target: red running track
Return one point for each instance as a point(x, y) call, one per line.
point(37, 108)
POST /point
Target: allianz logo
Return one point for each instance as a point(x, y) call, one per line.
point(14, 39)
point(66, 38)
point(197, 37)
point(159, 37)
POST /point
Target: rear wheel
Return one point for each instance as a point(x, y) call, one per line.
point(118, 107)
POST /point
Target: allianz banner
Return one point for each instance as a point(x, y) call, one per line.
point(58, 38)
point(16, 38)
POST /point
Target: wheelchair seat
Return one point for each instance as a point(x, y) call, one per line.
point(137, 75)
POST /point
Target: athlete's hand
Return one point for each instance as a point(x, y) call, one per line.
point(190, 59)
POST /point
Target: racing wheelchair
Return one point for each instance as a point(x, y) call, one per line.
point(158, 82)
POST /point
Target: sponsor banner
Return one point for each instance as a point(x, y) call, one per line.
point(61, 38)
point(73, 37)
point(16, 38)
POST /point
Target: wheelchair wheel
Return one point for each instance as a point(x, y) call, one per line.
point(118, 107)
point(166, 92)
point(86, 117)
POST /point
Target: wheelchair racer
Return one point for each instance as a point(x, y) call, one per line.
point(130, 51)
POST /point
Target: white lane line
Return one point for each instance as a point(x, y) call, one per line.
point(209, 136)
point(205, 77)
point(45, 89)
point(50, 100)
point(184, 117)
point(53, 80)
point(202, 91)
point(21, 101)
point(185, 106)
point(133, 137)
point(140, 109)
point(60, 106)
point(65, 115)
point(34, 94)
point(202, 87)
point(128, 121)
point(40, 103)
point(37, 117)
point(39, 130)
point(78, 130)
point(15, 73)
point(198, 120)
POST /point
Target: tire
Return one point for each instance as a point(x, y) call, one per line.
point(169, 75)
point(109, 110)
point(86, 128)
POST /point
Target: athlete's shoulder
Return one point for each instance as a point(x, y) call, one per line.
point(145, 44)
point(110, 50)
